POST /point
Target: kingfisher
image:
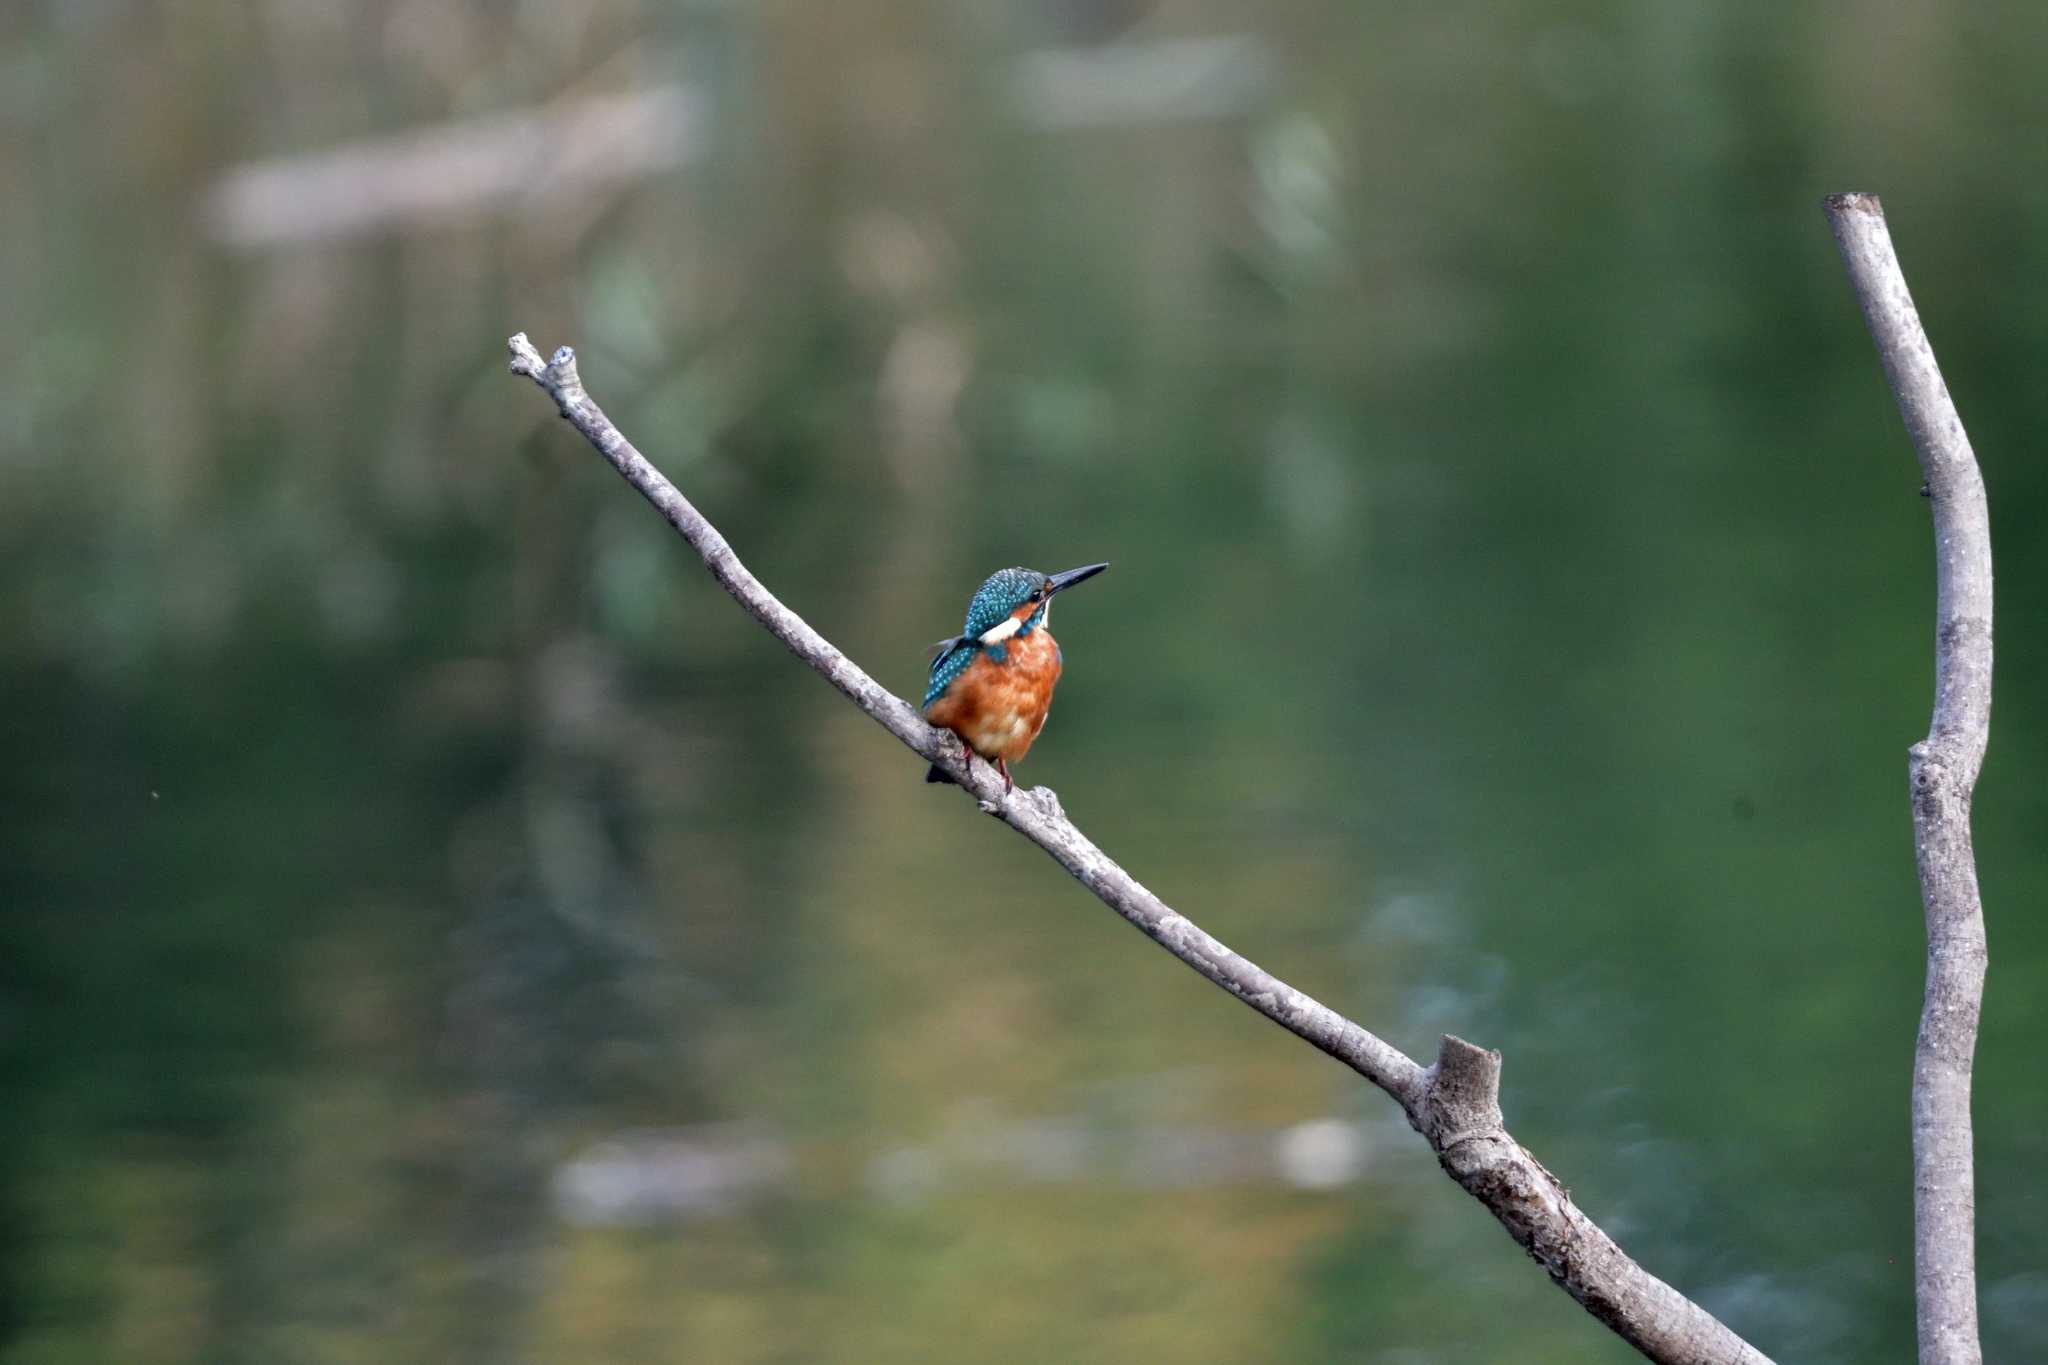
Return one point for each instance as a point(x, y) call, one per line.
point(992, 683)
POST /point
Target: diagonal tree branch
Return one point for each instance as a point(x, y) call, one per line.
point(1454, 1104)
point(1942, 772)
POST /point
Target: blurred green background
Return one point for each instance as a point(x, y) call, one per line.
point(438, 926)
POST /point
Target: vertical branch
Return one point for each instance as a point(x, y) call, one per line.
point(1943, 773)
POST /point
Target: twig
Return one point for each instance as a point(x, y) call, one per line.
point(1455, 1104)
point(1942, 775)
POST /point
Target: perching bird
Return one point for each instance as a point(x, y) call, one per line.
point(992, 683)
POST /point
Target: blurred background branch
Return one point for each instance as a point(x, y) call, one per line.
point(429, 177)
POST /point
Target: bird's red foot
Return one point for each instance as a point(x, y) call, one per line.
point(1004, 769)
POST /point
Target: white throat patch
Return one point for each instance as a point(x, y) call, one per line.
point(1001, 630)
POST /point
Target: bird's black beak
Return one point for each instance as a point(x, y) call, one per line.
point(1060, 582)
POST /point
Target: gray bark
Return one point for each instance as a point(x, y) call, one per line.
point(1454, 1104)
point(1942, 774)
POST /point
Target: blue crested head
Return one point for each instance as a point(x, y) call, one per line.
point(993, 618)
point(998, 598)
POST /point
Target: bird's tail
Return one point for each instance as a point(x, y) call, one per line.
point(936, 774)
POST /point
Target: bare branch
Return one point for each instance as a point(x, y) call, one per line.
point(1455, 1104)
point(1942, 773)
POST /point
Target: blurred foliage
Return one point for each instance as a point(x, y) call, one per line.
point(1519, 617)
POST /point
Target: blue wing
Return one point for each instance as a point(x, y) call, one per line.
point(949, 661)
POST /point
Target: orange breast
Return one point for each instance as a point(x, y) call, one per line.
point(999, 708)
